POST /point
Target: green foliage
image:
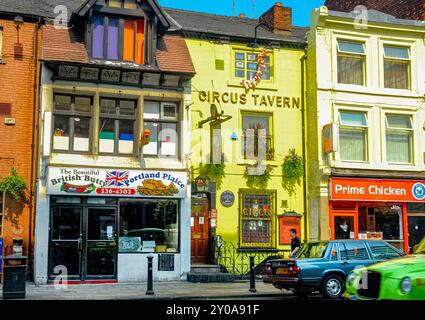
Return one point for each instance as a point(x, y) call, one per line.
point(292, 171)
point(258, 181)
point(213, 172)
point(14, 185)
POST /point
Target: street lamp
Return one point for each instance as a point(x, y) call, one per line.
point(18, 21)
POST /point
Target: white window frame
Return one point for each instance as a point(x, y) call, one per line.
point(409, 61)
point(385, 127)
point(176, 111)
point(364, 55)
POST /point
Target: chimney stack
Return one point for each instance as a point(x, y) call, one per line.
point(278, 19)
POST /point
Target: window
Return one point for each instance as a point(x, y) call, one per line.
point(257, 219)
point(246, 65)
point(396, 67)
point(313, 250)
point(161, 119)
point(117, 126)
point(127, 4)
point(399, 137)
point(353, 136)
point(118, 39)
point(72, 123)
point(351, 62)
point(381, 251)
point(353, 251)
point(149, 225)
point(2, 200)
point(257, 140)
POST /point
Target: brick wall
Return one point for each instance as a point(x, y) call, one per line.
point(16, 89)
point(402, 9)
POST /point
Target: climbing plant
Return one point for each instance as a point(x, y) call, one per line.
point(213, 172)
point(292, 171)
point(14, 185)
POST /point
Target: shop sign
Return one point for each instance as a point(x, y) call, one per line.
point(377, 190)
point(227, 198)
point(114, 182)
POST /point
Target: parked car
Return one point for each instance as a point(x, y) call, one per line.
point(325, 265)
point(399, 279)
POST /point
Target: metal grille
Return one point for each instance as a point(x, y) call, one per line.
point(166, 262)
point(372, 287)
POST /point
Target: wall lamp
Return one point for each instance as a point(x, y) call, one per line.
point(18, 21)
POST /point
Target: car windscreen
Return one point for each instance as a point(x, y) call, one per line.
point(313, 250)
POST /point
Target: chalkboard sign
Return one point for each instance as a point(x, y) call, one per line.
point(227, 198)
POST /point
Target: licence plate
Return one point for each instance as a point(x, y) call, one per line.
point(282, 271)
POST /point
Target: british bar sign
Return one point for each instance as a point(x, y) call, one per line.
point(116, 182)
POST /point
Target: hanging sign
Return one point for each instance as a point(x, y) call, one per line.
point(116, 182)
point(329, 137)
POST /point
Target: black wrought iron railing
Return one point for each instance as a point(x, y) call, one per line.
point(236, 261)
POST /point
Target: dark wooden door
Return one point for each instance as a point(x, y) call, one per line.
point(200, 226)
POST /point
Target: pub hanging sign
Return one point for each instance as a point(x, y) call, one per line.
point(116, 182)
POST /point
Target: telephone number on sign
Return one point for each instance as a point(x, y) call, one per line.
point(115, 191)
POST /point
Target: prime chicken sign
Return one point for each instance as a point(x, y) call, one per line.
point(116, 182)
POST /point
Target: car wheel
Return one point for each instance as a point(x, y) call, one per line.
point(333, 286)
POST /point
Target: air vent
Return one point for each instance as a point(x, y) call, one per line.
point(166, 262)
point(5, 109)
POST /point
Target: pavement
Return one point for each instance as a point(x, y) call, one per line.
point(175, 290)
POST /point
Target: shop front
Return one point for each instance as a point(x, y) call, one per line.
point(104, 223)
point(392, 210)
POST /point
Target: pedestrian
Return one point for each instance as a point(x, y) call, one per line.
point(295, 243)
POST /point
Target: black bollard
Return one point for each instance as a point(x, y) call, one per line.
point(150, 276)
point(252, 275)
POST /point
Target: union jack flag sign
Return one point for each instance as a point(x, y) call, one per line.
point(116, 178)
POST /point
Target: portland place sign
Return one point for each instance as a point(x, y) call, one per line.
point(377, 190)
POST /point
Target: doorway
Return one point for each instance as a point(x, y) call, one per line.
point(83, 243)
point(416, 229)
point(200, 229)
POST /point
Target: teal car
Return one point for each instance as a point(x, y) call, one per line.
point(397, 279)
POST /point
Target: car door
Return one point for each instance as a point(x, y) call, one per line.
point(381, 251)
point(353, 255)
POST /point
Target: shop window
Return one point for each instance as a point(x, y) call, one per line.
point(149, 226)
point(353, 130)
point(246, 65)
point(353, 251)
point(351, 62)
point(2, 201)
point(117, 126)
point(399, 137)
point(381, 251)
point(72, 123)
point(161, 119)
point(396, 67)
point(257, 139)
point(118, 39)
point(257, 219)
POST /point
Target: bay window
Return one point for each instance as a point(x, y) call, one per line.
point(118, 39)
point(257, 218)
point(396, 67)
point(351, 62)
point(161, 119)
point(72, 123)
point(399, 138)
point(353, 136)
point(117, 126)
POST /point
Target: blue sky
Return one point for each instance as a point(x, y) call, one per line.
point(301, 8)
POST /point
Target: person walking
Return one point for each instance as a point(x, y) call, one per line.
point(295, 243)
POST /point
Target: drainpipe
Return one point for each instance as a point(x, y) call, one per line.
point(32, 204)
point(303, 113)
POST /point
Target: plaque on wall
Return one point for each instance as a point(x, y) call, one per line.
point(227, 198)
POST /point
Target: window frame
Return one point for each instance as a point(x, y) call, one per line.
point(398, 60)
point(246, 51)
point(341, 53)
point(272, 219)
point(160, 120)
point(270, 116)
point(116, 118)
point(387, 129)
point(72, 114)
point(120, 49)
point(355, 127)
point(2, 207)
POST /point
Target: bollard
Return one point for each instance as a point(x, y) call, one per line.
point(150, 276)
point(252, 275)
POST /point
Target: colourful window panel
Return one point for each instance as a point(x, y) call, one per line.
point(98, 37)
point(129, 35)
point(113, 28)
point(140, 58)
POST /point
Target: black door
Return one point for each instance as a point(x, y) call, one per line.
point(416, 230)
point(83, 243)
